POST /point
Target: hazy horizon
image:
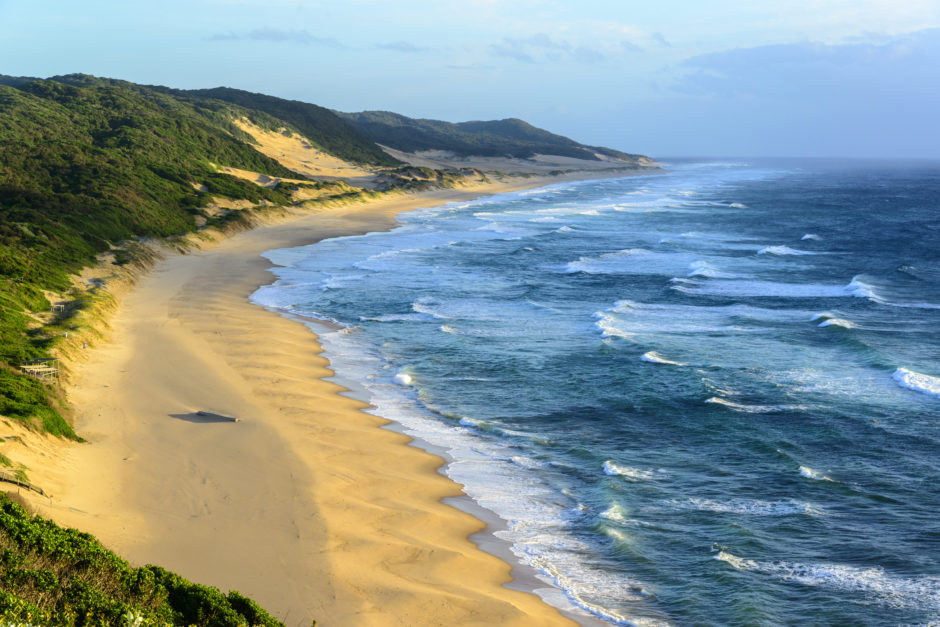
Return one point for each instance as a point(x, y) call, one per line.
point(834, 79)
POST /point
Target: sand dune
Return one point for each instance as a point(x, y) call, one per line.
point(299, 154)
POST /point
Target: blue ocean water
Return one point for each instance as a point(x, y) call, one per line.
point(708, 396)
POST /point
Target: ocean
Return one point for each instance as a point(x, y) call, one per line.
point(709, 396)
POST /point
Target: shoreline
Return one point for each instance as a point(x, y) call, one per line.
point(346, 526)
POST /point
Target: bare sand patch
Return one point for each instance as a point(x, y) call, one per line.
point(299, 154)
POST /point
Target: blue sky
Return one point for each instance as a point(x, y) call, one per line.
point(666, 78)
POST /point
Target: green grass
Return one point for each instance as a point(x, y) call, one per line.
point(86, 164)
point(50, 575)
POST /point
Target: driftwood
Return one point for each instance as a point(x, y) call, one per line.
point(213, 416)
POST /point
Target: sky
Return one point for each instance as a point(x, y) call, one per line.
point(817, 78)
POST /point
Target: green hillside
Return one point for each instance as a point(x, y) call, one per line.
point(321, 126)
point(499, 138)
point(63, 577)
point(84, 166)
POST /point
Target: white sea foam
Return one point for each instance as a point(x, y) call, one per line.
point(705, 269)
point(746, 507)
point(811, 236)
point(412, 317)
point(838, 322)
point(633, 474)
point(655, 358)
point(874, 583)
point(511, 231)
point(752, 409)
point(403, 378)
point(526, 462)
point(609, 328)
point(809, 473)
point(738, 205)
point(863, 288)
point(385, 260)
point(596, 265)
point(615, 513)
point(923, 383)
point(427, 305)
point(784, 250)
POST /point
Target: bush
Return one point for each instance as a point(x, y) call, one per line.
point(55, 576)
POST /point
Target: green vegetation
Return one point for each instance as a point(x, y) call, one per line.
point(55, 576)
point(85, 164)
point(499, 138)
point(319, 125)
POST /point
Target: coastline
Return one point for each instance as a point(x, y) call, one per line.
point(346, 527)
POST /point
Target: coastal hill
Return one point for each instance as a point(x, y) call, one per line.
point(97, 176)
point(511, 144)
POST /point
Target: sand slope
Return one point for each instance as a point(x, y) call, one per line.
point(297, 153)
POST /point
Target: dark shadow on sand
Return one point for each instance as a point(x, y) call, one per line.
point(203, 417)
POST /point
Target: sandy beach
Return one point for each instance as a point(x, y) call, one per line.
point(304, 504)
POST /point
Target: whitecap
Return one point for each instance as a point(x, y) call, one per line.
point(751, 409)
point(590, 265)
point(746, 506)
point(864, 289)
point(412, 317)
point(655, 358)
point(525, 462)
point(707, 270)
point(859, 288)
point(615, 513)
point(608, 326)
point(838, 322)
point(427, 305)
point(873, 582)
point(783, 250)
point(738, 205)
point(633, 474)
point(923, 383)
point(403, 378)
point(809, 473)
point(384, 260)
point(811, 236)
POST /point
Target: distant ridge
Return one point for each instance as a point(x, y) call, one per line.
point(510, 137)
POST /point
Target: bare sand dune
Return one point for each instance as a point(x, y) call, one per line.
point(299, 154)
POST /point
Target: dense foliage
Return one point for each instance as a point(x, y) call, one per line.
point(55, 576)
point(498, 138)
point(84, 164)
point(319, 125)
